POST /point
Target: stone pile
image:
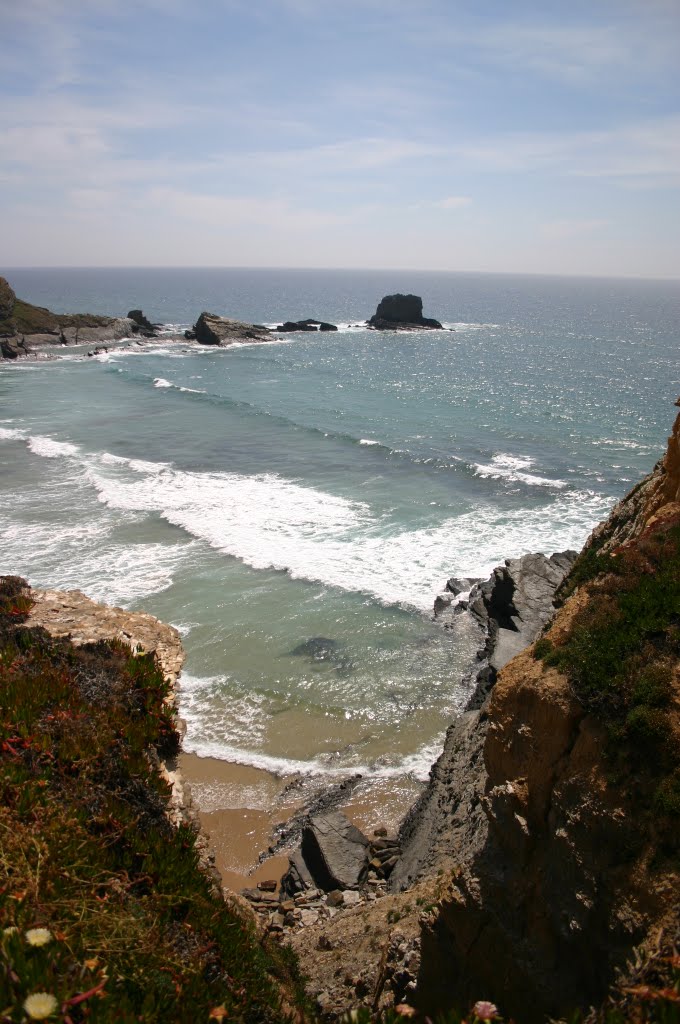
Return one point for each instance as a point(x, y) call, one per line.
point(335, 868)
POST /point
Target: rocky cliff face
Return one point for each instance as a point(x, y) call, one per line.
point(559, 832)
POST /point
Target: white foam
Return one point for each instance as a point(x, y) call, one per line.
point(272, 523)
point(48, 448)
point(510, 467)
point(365, 440)
point(161, 382)
point(12, 434)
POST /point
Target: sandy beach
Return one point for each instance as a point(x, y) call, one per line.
point(239, 808)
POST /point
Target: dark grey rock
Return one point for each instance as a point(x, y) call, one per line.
point(448, 821)
point(461, 584)
point(401, 311)
point(145, 326)
point(335, 852)
point(304, 325)
point(221, 330)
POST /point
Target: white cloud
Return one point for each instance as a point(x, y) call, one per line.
point(558, 230)
point(223, 212)
point(454, 202)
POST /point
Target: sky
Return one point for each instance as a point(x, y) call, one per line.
point(480, 135)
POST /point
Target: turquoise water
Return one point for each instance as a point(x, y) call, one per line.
point(264, 496)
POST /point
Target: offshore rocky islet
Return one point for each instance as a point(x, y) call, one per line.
point(26, 329)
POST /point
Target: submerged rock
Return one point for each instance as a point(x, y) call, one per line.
point(401, 312)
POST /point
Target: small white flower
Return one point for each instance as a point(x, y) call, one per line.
point(38, 936)
point(12, 930)
point(40, 1005)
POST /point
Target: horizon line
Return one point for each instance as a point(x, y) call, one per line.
point(375, 270)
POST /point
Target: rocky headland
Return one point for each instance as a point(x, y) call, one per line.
point(25, 330)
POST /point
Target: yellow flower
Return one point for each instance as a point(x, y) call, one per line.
point(7, 932)
point(40, 1005)
point(38, 936)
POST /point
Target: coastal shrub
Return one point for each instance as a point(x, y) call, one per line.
point(620, 657)
point(106, 913)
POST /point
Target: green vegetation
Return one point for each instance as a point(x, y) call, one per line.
point(620, 657)
point(105, 912)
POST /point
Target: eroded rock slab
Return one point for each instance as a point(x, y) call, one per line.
point(210, 329)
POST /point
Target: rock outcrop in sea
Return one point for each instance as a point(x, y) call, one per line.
point(211, 329)
point(26, 329)
point(401, 313)
point(291, 326)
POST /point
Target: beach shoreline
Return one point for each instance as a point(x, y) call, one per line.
point(239, 807)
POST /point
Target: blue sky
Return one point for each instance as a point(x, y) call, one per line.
point(501, 136)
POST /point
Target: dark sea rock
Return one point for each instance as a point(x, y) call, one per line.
point(221, 330)
point(145, 326)
point(304, 325)
point(460, 584)
point(401, 312)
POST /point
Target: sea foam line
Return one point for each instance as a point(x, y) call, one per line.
point(269, 522)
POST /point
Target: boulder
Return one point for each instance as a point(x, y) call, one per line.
point(333, 855)
point(401, 312)
point(7, 299)
point(335, 851)
point(461, 584)
point(221, 330)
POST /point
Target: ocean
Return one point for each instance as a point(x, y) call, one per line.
point(294, 507)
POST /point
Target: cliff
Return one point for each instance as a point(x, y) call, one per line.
point(556, 806)
point(108, 911)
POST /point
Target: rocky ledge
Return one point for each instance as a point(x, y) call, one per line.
point(402, 313)
point(72, 614)
point(26, 329)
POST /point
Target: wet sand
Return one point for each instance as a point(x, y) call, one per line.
point(239, 807)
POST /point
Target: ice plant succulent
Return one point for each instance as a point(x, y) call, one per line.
point(484, 1010)
point(40, 1005)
